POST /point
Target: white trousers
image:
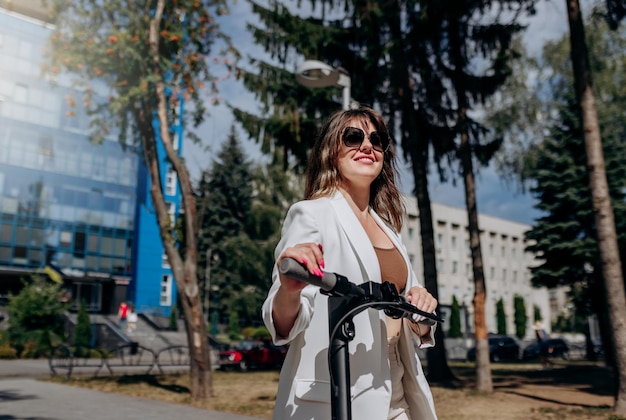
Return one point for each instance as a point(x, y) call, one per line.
point(398, 408)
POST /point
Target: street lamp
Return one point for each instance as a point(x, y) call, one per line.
point(316, 74)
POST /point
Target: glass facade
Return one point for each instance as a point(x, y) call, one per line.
point(63, 201)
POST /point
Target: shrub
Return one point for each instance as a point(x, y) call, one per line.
point(36, 318)
point(82, 333)
point(7, 352)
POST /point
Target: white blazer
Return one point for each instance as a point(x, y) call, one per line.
point(304, 387)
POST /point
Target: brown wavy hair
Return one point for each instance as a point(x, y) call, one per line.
point(322, 173)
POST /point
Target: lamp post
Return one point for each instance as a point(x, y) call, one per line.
point(316, 74)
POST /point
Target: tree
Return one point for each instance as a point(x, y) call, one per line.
point(459, 35)
point(241, 206)
point(455, 320)
point(82, 332)
point(150, 56)
point(36, 318)
point(390, 55)
point(501, 317)
point(604, 216)
point(520, 317)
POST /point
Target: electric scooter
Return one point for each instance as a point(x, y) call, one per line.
point(345, 300)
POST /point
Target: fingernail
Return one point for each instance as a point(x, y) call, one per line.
point(320, 247)
point(319, 272)
point(322, 263)
point(304, 261)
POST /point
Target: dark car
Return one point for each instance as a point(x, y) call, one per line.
point(501, 347)
point(253, 354)
point(557, 347)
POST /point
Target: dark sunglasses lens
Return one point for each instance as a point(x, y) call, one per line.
point(377, 142)
point(353, 137)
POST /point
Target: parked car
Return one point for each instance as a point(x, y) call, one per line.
point(557, 347)
point(253, 354)
point(501, 347)
point(216, 347)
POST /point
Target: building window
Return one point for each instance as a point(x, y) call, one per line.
point(440, 265)
point(439, 241)
point(455, 267)
point(165, 261)
point(166, 290)
point(171, 210)
point(410, 233)
point(453, 242)
point(170, 181)
point(492, 273)
point(66, 239)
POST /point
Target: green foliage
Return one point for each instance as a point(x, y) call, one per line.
point(233, 326)
point(82, 333)
point(519, 316)
point(258, 333)
point(500, 317)
point(7, 352)
point(118, 54)
point(36, 318)
point(173, 320)
point(241, 206)
point(455, 320)
point(537, 313)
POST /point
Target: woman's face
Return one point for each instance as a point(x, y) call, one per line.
point(359, 165)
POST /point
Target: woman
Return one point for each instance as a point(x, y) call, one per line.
point(348, 224)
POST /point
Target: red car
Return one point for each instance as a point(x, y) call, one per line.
point(253, 354)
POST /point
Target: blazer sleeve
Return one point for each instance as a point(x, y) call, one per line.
point(300, 226)
point(423, 341)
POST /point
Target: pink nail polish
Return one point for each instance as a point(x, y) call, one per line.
point(322, 263)
point(304, 261)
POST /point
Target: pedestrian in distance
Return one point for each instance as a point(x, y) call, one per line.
point(542, 342)
point(132, 318)
point(122, 315)
point(349, 224)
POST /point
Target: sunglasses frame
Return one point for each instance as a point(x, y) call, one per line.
point(381, 149)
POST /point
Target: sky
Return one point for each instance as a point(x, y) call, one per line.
point(494, 196)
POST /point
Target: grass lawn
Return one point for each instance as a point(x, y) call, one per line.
point(570, 390)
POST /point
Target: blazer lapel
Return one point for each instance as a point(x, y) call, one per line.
point(357, 237)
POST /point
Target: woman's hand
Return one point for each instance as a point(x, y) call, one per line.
point(421, 299)
point(309, 255)
point(286, 303)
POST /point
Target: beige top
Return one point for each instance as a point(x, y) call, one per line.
point(392, 269)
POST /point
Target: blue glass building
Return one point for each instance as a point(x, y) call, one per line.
point(79, 212)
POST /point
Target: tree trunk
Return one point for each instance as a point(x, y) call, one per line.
point(604, 218)
point(438, 368)
point(483, 366)
point(185, 272)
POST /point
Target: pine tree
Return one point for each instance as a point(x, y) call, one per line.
point(242, 207)
point(501, 317)
point(82, 333)
point(397, 55)
point(520, 317)
point(455, 320)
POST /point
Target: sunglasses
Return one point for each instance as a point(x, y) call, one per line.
point(353, 138)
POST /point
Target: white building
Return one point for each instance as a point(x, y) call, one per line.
point(506, 264)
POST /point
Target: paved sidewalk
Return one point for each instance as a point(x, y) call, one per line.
point(23, 397)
